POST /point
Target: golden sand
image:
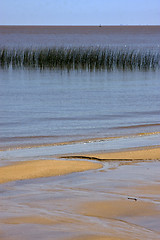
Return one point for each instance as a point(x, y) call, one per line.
point(120, 209)
point(124, 215)
point(134, 154)
point(43, 168)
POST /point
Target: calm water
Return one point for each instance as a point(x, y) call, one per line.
point(29, 36)
point(86, 111)
point(51, 106)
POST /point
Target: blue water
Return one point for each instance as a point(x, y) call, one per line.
point(41, 107)
point(45, 113)
point(44, 107)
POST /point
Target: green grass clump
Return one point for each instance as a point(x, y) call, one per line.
point(84, 58)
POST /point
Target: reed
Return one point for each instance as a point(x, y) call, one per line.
point(83, 57)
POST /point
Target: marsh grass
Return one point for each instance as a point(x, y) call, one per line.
point(80, 58)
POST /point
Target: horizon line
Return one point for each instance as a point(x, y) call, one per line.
point(78, 25)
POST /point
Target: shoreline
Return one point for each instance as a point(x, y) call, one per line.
point(101, 202)
point(32, 169)
point(146, 153)
point(137, 153)
point(70, 142)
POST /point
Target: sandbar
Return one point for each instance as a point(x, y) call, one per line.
point(146, 153)
point(43, 168)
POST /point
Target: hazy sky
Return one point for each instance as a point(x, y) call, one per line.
point(79, 12)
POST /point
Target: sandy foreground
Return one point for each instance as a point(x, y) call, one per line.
point(43, 168)
point(96, 207)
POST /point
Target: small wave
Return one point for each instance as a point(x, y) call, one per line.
point(138, 126)
point(82, 141)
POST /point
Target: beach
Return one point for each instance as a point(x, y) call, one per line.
point(116, 198)
point(79, 133)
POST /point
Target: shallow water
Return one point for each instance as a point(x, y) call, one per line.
point(56, 106)
point(40, 107)
point(53, 207)
point(47, 113)
point(53, 112)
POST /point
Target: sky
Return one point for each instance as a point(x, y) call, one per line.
point(79, 12)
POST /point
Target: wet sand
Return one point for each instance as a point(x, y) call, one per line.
point(118, 201)
point(120, 209)
point(98, 238)
point(43, 168)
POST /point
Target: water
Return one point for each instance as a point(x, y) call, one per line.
point(44, 113)
point(51, 106)
point(57, 106)
point(48, 107)
point(43, 36)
